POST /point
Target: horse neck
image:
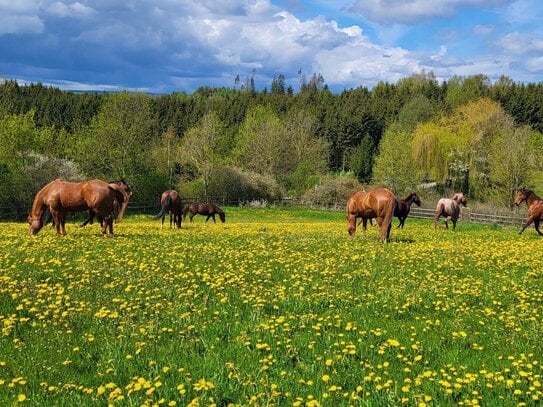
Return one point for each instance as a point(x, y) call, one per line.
point(39, 206)
point(409, 200)
point(531, 198)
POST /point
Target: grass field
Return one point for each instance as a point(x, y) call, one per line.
point(274, 307)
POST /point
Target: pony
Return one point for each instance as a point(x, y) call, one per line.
point(535, 208)
point(60, 197)
point(449, 208)
point(170, 202)
point(379, 203)
point(207, 209)
point(122, 183)
point(404, 206)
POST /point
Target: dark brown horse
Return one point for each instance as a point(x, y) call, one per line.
point(61, 197)
point(449, 208)
point(170, 202)
point(379, 203)
point(535, 208)
point(206, 209)
point(404, 207)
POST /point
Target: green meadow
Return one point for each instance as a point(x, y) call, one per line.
point(275, 307)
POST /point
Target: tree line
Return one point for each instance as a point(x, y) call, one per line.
point(466, 133)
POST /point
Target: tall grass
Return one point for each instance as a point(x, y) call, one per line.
point(274, 307)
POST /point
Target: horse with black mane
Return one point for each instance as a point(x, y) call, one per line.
point(170, 202)
point(207, 209)
point(61, 197)
point(379, 203)
point(449, 208)
point(535, 208)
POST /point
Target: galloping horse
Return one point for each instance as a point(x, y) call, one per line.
point(207, 209)
point(60, 197)
point(535, 208)
point(404, 206)
point(121, 183)
point(449, 208)
point(379, 203)
point(170, 202)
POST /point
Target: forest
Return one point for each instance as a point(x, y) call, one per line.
point(468, 133)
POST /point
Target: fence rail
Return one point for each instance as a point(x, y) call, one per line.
point(148, 207)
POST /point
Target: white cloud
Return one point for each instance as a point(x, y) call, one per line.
point(414, 11)
point(518, 43)
point(76, 9)
point(20, 17)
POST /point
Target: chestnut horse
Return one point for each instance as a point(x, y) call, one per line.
point(122, 183)
point(404, 206)
point(535, 208)
point(60, 197)
point(170, 202)
point(379, 203)
point(449, 208)
point(207, 209)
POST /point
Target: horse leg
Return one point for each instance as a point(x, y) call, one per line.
point(213, 216)
point(191, 216)
point(536, 225)
point(453, 220)
point(110, 224)
point(365, 225)
point(162, 223)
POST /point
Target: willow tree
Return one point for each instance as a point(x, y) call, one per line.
point(457, 147)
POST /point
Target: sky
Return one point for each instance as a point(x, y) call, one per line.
point(165, 46)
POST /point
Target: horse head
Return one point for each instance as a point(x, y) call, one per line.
point(522, 195)
point(460, 198)
point(416, 200)
point(35, 224)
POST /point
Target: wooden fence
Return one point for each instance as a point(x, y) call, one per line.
point(153, 207)
point(466, 215)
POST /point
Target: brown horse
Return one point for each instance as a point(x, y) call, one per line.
point(207, 209)
point(379, 203)
point(60, 197)
point(449, 208)
point(121, 183)
point(170, 202)
point(404, 206)
point(535, 208)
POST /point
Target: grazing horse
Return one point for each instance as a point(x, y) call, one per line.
point(121, 183)
point(170, 202)
point(378, 203)
point(449, 208)
point(535, 208)
point(60, 197)
point(207, 209)
point(404, 206)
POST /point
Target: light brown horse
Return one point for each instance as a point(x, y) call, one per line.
point(207, 209)
point(61, 197)
point(379, 203)
point(170, 202)
point(535, 208)
point(449, 208)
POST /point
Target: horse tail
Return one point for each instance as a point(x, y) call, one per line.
point(389, 215)
point(185, 210)
point(122, 198)
point(165, 207)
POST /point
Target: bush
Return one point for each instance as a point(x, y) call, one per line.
point(234, 185)
point(333, 190)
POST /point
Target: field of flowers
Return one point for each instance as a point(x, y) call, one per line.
point(274, 307)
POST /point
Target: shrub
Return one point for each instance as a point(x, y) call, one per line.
point(332, 190)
